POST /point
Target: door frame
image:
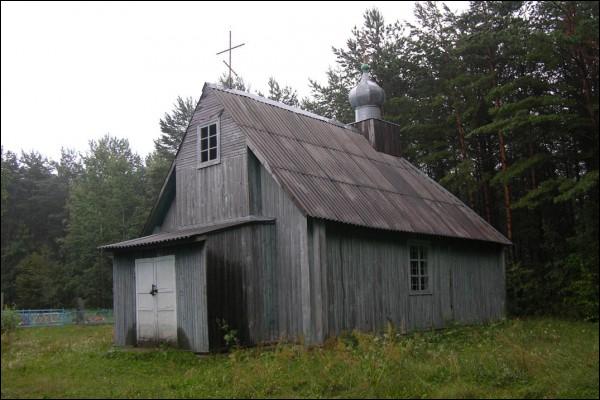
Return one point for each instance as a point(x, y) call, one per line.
point(154, 261)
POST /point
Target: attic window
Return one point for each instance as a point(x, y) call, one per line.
point(419, 272)
point(208, 144)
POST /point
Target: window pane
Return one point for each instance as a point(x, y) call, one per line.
point(414, 252)
point(423, 252)
point(213, 141)
point(424, 283)
point(204, 156)
point(414, 283)
point(203, 133)
point(213, 129)
point(203, 144)
point(414, 268)
point(213, 154)
point(423, 267)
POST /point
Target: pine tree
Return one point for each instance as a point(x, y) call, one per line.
point(173, 127)
point(105, 205)
point(286, 95)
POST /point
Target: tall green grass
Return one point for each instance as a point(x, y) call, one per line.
point(517, 358)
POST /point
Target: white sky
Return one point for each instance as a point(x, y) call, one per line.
point(72, 72)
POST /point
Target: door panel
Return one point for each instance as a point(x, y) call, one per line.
point(146, 317)
point(146, 326)
point(166, 298)
point(144, 275)
point(156, 314)
point(165, 273)
point(167, 326)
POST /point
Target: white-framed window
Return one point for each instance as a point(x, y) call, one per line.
point(209, 144)
point(419, 270)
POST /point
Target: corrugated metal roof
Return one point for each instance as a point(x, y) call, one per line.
point(332, 172)
point(164, 237)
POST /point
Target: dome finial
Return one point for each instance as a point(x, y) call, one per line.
point(367, 97)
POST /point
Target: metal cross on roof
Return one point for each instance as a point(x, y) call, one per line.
point(229, 81)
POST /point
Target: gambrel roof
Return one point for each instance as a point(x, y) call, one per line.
point(331, 172)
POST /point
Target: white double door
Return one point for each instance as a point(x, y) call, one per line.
point(156, 308)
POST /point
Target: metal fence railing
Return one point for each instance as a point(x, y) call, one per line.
point(61, 316)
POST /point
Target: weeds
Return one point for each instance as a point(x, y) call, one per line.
point(10, 320)
point(514, 358)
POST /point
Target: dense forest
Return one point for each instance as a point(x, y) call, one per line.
point(498, 103)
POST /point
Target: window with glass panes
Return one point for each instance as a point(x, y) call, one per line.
point(209, 143)
point(419, 275)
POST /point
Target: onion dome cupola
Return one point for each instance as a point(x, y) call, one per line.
point(367, 97)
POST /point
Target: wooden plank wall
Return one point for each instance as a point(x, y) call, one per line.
point(124, 300)
point(169, 222)
point(366, 282)
point(190, 271)
point(217, 192)
point(318, 290)
point(291, 255)
point(478, 280)
point(241, 285)
point(384, 136)
point(190, 278)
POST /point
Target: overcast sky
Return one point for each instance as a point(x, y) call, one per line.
point(72, 72)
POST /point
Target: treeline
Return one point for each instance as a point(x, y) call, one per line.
point(498, 103)
point(56, 213)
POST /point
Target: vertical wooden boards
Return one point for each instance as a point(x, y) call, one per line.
point(192, 319)
point(233, 141)
point(191, 295)
point(367, 281)
point(241, 284)
point(254, 185)
point(384, 136)
point(443, 308)
point(478, 290)
point(169, 223)
point(214, 193)
point(217, 192)
point(317, 251)
point(367, 284)
point(420, 311)
point(291, 252)
point(146, 315)
point(124, 299)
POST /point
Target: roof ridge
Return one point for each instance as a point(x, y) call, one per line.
point(281, 105)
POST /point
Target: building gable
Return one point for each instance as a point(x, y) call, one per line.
point(331, 172)
point(194, 194)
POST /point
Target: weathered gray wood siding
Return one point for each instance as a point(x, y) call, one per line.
point(241, 284)
point(478, 292)
point(217, 192)
point(365, 284)
point(169, 222)
point(317, 322)
point(192, 315)
point(291, 255)
point(190, 276)
point(124, 299)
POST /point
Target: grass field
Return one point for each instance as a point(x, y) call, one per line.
point(537, 358)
